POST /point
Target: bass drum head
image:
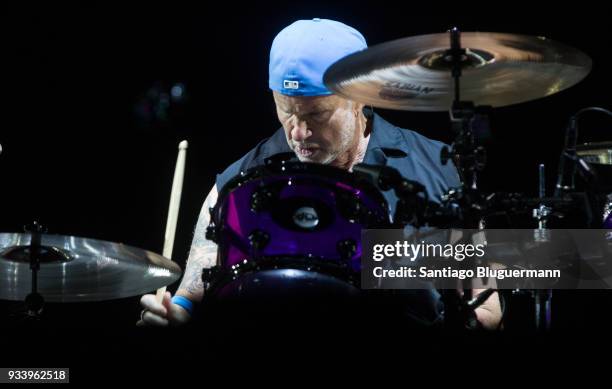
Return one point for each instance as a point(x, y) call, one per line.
point(288, 300)
point(285, 283)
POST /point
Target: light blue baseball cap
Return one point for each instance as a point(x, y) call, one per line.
point(302, 52)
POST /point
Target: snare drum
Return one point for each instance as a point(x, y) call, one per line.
point(295, 226)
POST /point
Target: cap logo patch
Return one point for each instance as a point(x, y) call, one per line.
point(289, 84)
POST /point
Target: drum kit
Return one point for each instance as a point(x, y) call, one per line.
point(289, 225)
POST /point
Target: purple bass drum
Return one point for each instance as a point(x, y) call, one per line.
point(293, 227)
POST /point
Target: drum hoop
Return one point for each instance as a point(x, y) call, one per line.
point(274, 170)
point(343, 272)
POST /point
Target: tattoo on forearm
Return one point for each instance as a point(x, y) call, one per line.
point(203, 253)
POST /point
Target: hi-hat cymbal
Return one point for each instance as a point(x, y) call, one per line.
point(80, 269)
point(499, 69)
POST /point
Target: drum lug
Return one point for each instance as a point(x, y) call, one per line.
point(347, 248)
point(262, 199)
point(211, 233)
point(350, 208)
point(208, 275)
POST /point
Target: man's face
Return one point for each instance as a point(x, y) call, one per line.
point(319, 128)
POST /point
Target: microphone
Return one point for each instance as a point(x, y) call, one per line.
point(588, 174)
point(566, 179)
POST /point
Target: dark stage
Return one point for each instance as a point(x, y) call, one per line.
point(89, 148)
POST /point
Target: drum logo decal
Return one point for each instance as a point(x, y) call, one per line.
point(306, 217)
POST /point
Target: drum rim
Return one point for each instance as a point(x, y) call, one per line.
point(339, 271)
point(270, 170)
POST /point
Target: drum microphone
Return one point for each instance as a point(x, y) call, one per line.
point(565, 180)
point(588, 174)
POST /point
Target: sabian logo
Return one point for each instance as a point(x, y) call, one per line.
point(400, 91)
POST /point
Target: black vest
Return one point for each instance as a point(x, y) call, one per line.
point(413, 155)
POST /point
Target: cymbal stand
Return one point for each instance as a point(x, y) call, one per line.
point(34, 301)
point(470, 124)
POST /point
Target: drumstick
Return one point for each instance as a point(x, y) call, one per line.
point(173, 208)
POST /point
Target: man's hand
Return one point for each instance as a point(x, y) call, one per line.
point(162, 315)
point(203, 255)
point(489, 313)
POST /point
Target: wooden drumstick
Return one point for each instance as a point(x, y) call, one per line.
point(173, 208)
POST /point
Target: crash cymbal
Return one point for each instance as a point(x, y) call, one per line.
point(80, 269)
point(498, 69)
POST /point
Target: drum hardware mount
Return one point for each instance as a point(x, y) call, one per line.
point(542, 298)
point(468, 123)
point(211, 232)
point(34, 301)
point(34, 254)
point(410, 209)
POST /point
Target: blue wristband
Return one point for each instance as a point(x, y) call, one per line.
point(183, 302)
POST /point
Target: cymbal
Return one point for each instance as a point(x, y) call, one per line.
point(498, 69)
point(76, 269)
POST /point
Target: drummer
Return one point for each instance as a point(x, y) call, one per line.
point(319, 127)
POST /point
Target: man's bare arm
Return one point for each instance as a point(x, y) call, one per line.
point(203, 253)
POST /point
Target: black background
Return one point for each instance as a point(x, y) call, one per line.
point(78, 159)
